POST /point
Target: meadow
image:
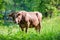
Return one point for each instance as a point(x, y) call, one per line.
point(50, 30)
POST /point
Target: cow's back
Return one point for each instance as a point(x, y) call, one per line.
point(32, 18)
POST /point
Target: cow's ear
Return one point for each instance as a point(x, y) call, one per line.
point(10, 15)
point(18, 14)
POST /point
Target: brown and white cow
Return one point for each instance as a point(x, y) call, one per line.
point(28, 19)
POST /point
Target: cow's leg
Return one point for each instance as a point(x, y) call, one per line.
point(39, 27)
point(27, 26)
point(22, 28)
point(36, 28)
point(26, 29)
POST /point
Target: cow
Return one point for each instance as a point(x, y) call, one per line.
point(27, 19)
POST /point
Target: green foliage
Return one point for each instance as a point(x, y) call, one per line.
point(30, 5)
point(1, 15)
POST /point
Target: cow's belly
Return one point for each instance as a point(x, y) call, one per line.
point(22, 25)
point(34, 21)
point(31, 26)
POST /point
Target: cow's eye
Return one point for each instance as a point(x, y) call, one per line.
point(18, 15)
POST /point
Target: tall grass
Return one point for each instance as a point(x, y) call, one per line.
point(50, 30)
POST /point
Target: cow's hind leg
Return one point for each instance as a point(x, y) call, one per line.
point(22, 28)
point(36, 28)
point(39, 27)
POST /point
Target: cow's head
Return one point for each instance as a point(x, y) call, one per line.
point(13, 15)
point(18, 16)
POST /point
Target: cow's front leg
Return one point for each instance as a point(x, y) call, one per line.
point(26, 29)
point(27, 26)
point(22, 28)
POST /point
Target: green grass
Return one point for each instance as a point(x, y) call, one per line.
point(50, 30)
